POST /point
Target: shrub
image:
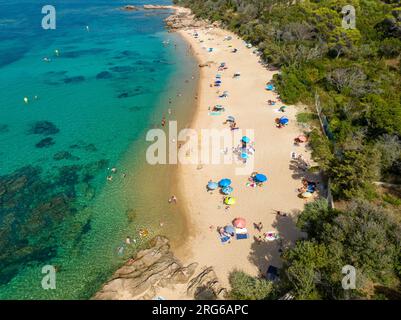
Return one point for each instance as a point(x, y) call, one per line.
point(245, 287)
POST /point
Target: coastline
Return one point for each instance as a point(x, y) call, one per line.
point(201, 211)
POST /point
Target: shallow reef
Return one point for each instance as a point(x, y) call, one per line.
point(37, 207)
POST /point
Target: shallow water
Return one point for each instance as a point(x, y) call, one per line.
point(94, 103)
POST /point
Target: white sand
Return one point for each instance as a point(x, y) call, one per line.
point(247, 102)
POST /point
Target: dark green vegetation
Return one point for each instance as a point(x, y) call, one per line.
point(362, 235)
point(356, 72)
point(245, 287)
point(357, 75)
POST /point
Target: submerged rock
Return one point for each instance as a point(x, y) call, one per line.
point(45, 143)
point(104, 75)
point(76, 79)
point(155, 268)
point(64, 155)
point(3, 128)
point(44, 127)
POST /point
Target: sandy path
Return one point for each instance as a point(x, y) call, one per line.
point(247, 102)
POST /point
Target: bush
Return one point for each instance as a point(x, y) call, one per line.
point(245, 287)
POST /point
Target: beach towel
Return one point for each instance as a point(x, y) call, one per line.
point(241, 236)
point(224, 239)
point(213, 113)
point(241, 230)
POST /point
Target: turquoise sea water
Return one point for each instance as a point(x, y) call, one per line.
point(88, 110)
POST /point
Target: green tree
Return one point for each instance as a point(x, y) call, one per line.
point(245, 287)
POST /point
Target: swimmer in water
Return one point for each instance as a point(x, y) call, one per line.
point(109, 178)
point(120, 250)
point(114, 170)
point(128, 240)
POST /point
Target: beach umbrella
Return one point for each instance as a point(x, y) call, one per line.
point(224, 183)
point(271, 236)
point(239, 223)
point(218, 81)
point(229, 200)
point(245, 139)
point(212, 185)
point(218, 76)
point(218, 107)
point(260, 178)
point(269, 87)
point(244, 155)
point(227, 190)
point(231, 119)
point(229, 229)
point(306, 195)
point(302, 138)
point(283, 120)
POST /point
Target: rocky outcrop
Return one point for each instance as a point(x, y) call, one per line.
point(155, 268)
point(156, 7)
point(182, 18)
point(130, 8)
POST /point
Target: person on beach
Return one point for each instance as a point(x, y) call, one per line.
point(163, 121)
point(280, 214)
point(173, 199)
point(259, 226)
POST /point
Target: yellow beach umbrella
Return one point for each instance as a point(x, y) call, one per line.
point(306, 195)
point(229, 200)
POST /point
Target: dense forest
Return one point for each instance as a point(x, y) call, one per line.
point(356, 72)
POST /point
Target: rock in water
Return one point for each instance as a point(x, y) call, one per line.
point(45, 143)
point(44, 127)
point(130, 8)
point(155, 268)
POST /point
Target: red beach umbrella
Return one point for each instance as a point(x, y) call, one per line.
point(302, 138)
point(239, 223)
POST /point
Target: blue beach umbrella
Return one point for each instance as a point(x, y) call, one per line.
point(244, 155)
point(227, 190)
point(260, 178)
point(270, 87)
point(245, 139)
point(212, 185)
point(231, 119)
point(283, 120)
point(218, 81)
point(224, 183)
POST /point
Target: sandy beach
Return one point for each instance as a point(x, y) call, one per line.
point(247, 102)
